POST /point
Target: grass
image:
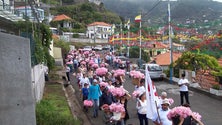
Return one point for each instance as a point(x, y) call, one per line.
point(52, 75)
point(53, 108)
point(56, 68)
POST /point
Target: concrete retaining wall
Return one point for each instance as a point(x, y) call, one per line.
point(17, 104)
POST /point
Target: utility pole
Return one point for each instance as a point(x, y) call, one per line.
point(171, 44)
point(128, 26)
point(121, 37)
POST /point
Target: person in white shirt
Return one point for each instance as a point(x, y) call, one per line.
point(161, 118)
point(67, 72)
point(140, 86)
point(142, 109)
point(84, 80)
point(183, 84)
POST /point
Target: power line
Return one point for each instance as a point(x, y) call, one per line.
point(155, 5)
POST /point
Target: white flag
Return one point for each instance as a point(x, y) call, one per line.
point(151, 95)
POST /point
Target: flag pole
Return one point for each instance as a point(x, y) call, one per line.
point(140, 39)
point(158, 114)
point(128, 39)
point(121, 37)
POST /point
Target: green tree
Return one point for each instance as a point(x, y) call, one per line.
point(197, 61)
point(134, 53)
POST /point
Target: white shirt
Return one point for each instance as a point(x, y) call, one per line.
point(142, 109)
point(96, 60)
point(183, 87)
point(163, 117)
point(110, 86)
point(141, 89)
point(107, 57)
point(83, 81)
point(67, 69)
point(75, 61)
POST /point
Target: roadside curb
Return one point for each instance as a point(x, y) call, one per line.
point(72, 101)
point(69, 101)
point(199, 90)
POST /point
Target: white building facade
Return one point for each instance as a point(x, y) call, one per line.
point(99, 30)
point(96, 1)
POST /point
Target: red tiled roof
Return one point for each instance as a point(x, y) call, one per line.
point(164, 59)
point(61, 17)
point(100, 24)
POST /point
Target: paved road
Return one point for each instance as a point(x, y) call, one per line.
point(209, 108)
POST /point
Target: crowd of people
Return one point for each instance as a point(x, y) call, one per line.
point(101, 82)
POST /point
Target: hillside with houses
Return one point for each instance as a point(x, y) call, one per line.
point(56, 41)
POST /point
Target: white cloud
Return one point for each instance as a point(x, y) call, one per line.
point(218, 0)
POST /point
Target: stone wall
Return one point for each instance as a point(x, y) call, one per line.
point(205, 80)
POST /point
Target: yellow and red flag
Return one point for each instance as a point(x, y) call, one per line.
point(138, 18)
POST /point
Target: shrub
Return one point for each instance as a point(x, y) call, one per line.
point(216, 86)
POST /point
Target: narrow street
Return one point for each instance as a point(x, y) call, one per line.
point(209, 108)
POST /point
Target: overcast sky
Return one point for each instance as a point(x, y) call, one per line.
point(218, 0)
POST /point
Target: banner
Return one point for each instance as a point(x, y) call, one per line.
point(151, 95)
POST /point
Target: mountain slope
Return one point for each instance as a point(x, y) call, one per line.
point(181, 10)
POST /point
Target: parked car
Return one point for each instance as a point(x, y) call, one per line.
point(106, 47)
point(87, 48)
point(155, 71)
point(98, 48)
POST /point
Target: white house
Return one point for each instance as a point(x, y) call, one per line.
point(64, 21)
point(96, 1)
point(178, 47)
point(100, 30)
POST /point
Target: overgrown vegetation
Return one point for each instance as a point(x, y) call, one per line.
point(83, 14)
point(40, 39)
point(62, 44)
point(216, 86)
point(197, 61)
point(53, 108)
